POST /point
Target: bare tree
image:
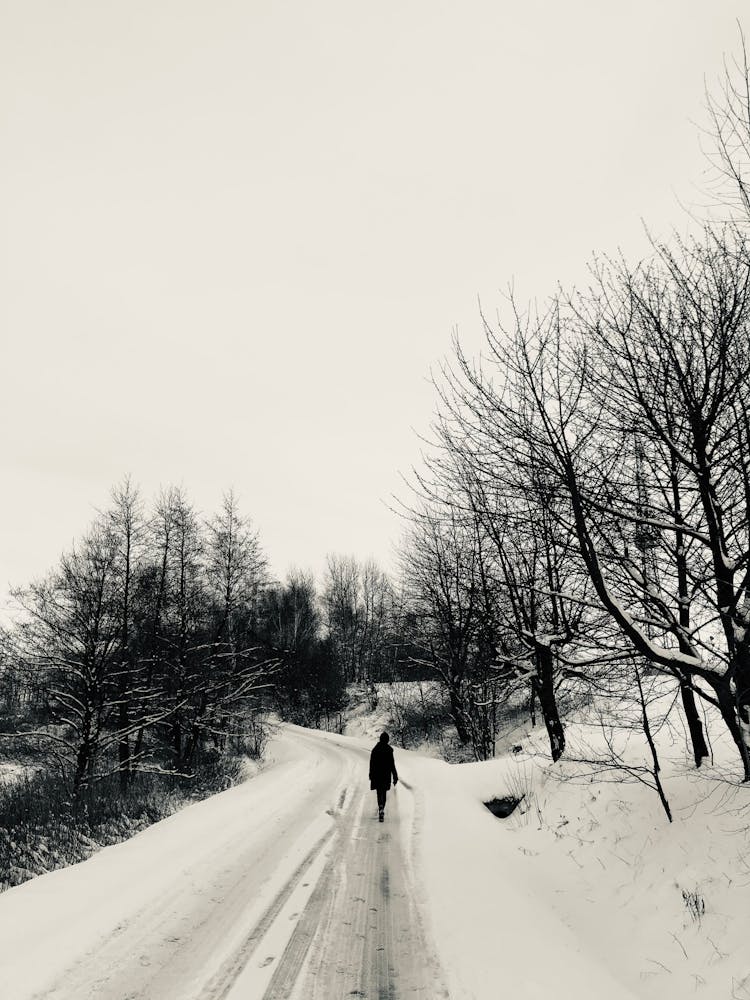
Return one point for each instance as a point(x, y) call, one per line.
point(728, 134)
point(635, 694)
point(72, 635)
point(440, 560)
point(633, 400)
point(236, 568)
point(673, 363)
point(358, 602)
point(126, 523)
point(340, 600)
point(289, 615)
point(375, 619)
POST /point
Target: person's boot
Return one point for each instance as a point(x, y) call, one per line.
point(380, 815)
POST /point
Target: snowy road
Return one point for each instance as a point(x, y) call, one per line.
point(284, 887)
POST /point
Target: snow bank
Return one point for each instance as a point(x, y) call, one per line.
point(586, 890)
point(494, 931)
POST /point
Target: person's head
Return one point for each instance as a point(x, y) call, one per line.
point(384, 737)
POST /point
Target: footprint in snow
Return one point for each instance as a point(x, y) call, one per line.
point(267, 961)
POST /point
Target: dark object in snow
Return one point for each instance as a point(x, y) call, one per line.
point(502, 808)
point(517, 748)
point(382, 768)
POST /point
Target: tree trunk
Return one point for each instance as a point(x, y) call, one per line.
point(177, 743)
point(458, 714)
point(82, 770)
point(123, 747)
point(695, 725)
point(741, 684)
point(544, 687)
point(656, 767)
point(728, 709)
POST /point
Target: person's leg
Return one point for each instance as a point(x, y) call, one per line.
point(381, 803)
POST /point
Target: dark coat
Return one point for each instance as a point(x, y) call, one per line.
point(382, 766)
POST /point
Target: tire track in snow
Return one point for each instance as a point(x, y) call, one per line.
point(360, 936)
point(199, 899)
point(273, 953)
point(228, 980)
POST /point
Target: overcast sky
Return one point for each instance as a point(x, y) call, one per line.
point(237, 234)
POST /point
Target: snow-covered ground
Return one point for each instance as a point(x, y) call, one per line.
point(589, 879)
point(11, 771)
point(286, 886)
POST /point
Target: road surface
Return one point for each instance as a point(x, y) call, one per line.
point(284, 888)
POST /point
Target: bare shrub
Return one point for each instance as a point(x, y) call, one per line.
point(419, 713)
point(695, 904)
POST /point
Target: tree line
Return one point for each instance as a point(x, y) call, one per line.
point(161, 635)
point(140, 646)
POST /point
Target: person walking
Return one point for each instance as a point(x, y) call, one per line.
point(382, 768)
